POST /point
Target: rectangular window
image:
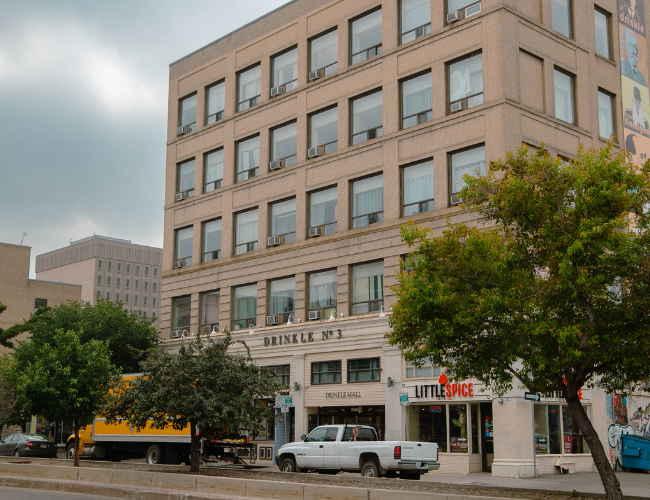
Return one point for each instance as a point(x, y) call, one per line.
point(108, 281)
point(322, 294)
point(119, 267)
point(146, 271)
point(126, 297)
point(109, 265)
point(572, 442)
point(326, 372)
point(146, 285)
point(155, 272)
point(561, 13)
point(137, 269)
point(99, 264)
point(185, 180)
point(99, 294)
point(135, 299)
point(117, 297)
point(248, 158)
point(471, 162)
point(249, 87)
point(466, 7)
point(282, 301)
point(280, 372)
point(416, 19)
point(211, 240)
point(368, 201)
point(99, 280)
point(127, 283)
point(144, 300)
point(213, 174)
point(137, 283)
point(367, 288)
point(283, 220)
point(367, 118)
point(184, 245)
point(466, 83)
point(416, 100)
point(363, 370)
point(187, 115)
point(246, 232)
point(108, 295)
point(38, 303)
point(605, 115)
point(366, 37)
point(323, 211)
point(323, 55)
point(209, 312)
point(181, 308)
point(602, 21)
point(215, 100)
point(284, 145)
point(128, 268)
point(153, 301)
point(564, 109)
point(245, 307)
point(429, 424)
point(118, 282)
point(285, 72)
point(547, 430)
point(154, 286)
point(427, 370)
point(458, 442)
point(417, 185)
point(323, 131)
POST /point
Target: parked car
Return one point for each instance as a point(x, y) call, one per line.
point(333, 448)
point(27, 445)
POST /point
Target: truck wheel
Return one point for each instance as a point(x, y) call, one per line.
point(370, 469)
point(288, 465)
point(155, 455)
point(69, 452)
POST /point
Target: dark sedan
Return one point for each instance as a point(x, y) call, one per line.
point(27, 445)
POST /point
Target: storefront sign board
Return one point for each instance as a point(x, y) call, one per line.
point(302, 338)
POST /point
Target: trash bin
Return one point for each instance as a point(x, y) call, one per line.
point(634, 452)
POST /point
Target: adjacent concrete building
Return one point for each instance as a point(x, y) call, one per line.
point(298, 145)
point(113, 268)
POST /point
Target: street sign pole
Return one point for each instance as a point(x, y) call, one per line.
point(532, 397)
point(404, 402)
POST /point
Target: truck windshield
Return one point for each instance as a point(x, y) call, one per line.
point(359, 434)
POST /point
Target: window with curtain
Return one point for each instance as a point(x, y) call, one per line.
point(215, 102)
point(285, 70)
point(244, 307)
point(248, 158)
point(181, 307)
point(561, 14)
point(564, 97)
point(466, 81)
point(323, 52)
point(471, 162)
point(416, 100)
point(323, 130)
point(187, 113)
point(415, 14)
point(605, 115)
point(323, 210)
point(602, 21)
point(284, 144)
point(368, 201)
point(367, 288)
point(283, 297)
point(283, 220)
point(323, 293)
point(210, 311)
point(185, 181)
point(246, 232)
point(418, 188)
point(249, 88)
point(366, 37)
point(184, 245)
point(367, 118)
point(213, 174)
point(211, 240)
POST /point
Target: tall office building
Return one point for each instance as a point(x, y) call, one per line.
point(300, 143)
point(112, 268)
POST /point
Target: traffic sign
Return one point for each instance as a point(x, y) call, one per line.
point(288, 400)
point(404, 398)
point(532, 396)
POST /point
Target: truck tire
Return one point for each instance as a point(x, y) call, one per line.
point(69, 452)
point(155, 455)
point(288, 464)
point(370, 469)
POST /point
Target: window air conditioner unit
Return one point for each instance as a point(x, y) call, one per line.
point(457, 106)
point(277, 90)
point(472, 10)
point(456, 199)
point(454, 16)
point(176, 334)
point(181, 196)
point(373, 218)
point(179, 263)
point(315, 75)
point(314, 315)
point(182, 130)
point(419, 32)
point(276, 164)
point(314, 232)
point(314, 152)
point(372, 133)
point(274, 241)
point(273, 320)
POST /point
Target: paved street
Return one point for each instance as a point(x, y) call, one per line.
point(30, 494)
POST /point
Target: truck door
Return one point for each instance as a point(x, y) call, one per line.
point(313, 449)
point(330, 448)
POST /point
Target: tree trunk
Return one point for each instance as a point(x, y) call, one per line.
point(607, 475)
point(194, 449)
point(76, 443)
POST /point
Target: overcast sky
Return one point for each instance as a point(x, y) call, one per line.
point(83, 109)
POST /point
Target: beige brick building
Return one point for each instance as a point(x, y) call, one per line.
point(299, 144)
point(114, 268)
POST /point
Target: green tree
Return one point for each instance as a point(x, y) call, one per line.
point(202, 386)
point(69, 380)
point(129, 335)
point(9, 391)
point(553, 291)
point(10, 332)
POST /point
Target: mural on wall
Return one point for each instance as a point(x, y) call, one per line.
point(619, 407)
point(635, 97)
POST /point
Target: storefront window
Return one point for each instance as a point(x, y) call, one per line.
point(573, 441)
point(458, 442)
point(429, 423)
point(556, 432)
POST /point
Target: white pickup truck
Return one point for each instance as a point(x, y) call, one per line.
point(333, 448)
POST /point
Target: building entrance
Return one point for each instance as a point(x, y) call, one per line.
point(363, 415)
point(487, 436)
